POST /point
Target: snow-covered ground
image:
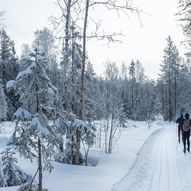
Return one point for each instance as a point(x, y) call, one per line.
point(160, 166)
point(144, 159)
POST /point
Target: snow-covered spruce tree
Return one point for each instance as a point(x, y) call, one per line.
point(33, 135)
point(74, 71)
point(138, 109)
point(13, 174)
point(149, 104)
point(69, 81)
point(8, 60)
point(89, 103)
point(124, 94)
point(169, 72)
point(9, 68)
point(72, 74)
point(3, 104)
point(133, 81)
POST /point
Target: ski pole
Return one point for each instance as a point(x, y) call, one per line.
point(176, 145)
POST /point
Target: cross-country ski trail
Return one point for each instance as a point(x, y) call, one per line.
point(161, 165)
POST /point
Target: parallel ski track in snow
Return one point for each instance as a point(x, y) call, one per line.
point(159, 165)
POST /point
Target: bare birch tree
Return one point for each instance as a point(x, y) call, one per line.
point(110, 5)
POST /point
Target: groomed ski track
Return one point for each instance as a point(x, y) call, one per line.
point(161, 165)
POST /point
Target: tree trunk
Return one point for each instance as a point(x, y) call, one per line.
point(78, 142)
point(175, 97)
point(82, 83)
point(73, 147)
point(3, 77)
point(132, 95)
point(40, 165)
point(100, 135)
point(163, 100)
point(169, 101)
point(111, 135)
point(83, 62)
point(106, 134)
point(66, 48)
point(3, 62)
point(73, 58)
point(67, 27)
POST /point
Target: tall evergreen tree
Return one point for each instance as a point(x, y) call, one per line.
point(33, 135)
point(9, 68)
point(132, 75)
point(169, 71)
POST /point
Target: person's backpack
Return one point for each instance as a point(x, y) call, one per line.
point(180, 121)
point(186, 125)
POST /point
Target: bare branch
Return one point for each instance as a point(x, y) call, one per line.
point(114, 5)
point(57, 22)
point(109, 37)
point(74, 2)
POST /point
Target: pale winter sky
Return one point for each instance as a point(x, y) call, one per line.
point(145, 43)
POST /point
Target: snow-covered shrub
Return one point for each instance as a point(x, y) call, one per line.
point(29, 187)
point(87, 131)
point(88, 137)
point(13, 174)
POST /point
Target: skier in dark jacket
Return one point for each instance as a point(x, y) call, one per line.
point(180, 123)
point(186, 132)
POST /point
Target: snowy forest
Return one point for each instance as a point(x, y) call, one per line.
point(61, 109)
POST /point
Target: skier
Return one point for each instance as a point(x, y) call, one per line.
point(180, 123)
point(186, 132)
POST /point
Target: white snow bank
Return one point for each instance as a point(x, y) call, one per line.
point(109, 170)
point(9, 188)
point(160, 165)
point(140, 166)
